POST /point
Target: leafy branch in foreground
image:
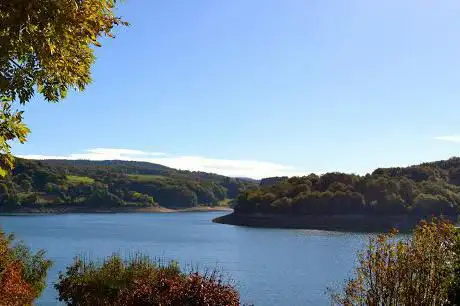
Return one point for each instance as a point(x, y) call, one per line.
point(46, 46)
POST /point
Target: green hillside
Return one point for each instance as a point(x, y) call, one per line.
point(112, 184)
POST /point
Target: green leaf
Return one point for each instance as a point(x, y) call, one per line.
point(3, 172)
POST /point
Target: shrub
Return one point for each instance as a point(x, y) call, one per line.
point(142, 199)
point(454, 288)
point(22, 273)
point(419, 270)
point(140, 281)
point(191, 290)
point(103, 198)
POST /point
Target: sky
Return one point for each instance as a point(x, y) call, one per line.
point(266, 87)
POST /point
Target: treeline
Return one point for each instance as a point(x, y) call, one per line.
point(426, 189)
point(102, 184)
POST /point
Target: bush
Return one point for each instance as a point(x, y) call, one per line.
point(22, 273)
point(140, 281)
point(142, 199)
point(193, 289)
point(104, 198)
point(419, 270)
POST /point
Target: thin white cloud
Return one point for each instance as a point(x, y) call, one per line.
point(228, 167)
point(450, 138)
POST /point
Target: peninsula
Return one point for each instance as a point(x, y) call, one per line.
point(387, 198)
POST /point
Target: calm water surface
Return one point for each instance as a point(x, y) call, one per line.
point(270, 266)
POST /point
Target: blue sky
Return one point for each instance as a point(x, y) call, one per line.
point(266, 87)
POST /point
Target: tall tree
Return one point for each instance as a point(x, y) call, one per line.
point(46, 47)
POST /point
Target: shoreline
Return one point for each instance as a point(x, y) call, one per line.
point(337, 223)
point(56, 210)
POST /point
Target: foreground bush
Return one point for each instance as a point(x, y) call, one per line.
point(140, 281)
point(420, 270)
point(22, 273)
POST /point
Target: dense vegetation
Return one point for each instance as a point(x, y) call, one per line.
point(425, 189)
point(141, 281)
point(419, 270)
point(99, 184)
point(22, 273)
point(137, 281)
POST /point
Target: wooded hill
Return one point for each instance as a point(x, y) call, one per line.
point(112, 184)
point(425, 189)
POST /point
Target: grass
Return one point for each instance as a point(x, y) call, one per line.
point(75, 179)
point(145, 178)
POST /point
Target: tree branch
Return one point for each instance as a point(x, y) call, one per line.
point(16, 64)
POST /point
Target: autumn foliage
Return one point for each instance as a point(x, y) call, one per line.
point(13, 289)
point(141, 281)
point(22, 274)
point(419, 270)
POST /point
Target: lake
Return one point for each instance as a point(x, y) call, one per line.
point(269, 266)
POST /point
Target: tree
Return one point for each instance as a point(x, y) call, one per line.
point(8, 195)
point(103, 198)
point(23, 273)
point(141, 198)
point(46, 46)
point(418, 271)
point(26, 186)
point(281, 205)
point(429, 204)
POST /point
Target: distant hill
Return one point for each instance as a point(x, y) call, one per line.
point(248, 179)
point(113, 183)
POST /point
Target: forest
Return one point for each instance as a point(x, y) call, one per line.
point(424, 190)
point(106, 184)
